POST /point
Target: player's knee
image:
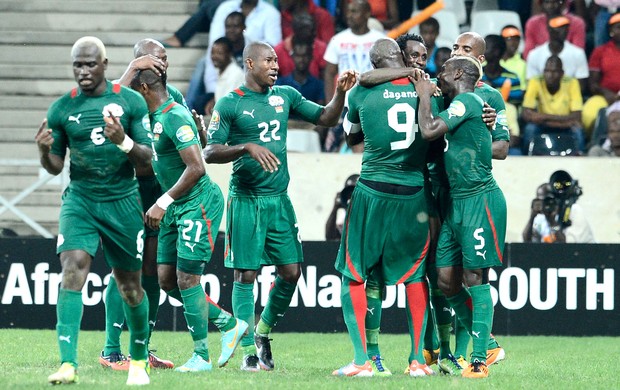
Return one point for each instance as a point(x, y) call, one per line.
point(290, 274)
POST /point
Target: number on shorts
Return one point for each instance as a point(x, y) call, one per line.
point(409, 127)
point(140, 244)
point(189, 225)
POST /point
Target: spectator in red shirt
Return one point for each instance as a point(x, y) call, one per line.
point(304, 30)
point(323, 21)
point(536, 27)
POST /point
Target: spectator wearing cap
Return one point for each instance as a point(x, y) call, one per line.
point(604, 9)
point(512, 59)
point(536, 32)
point(573, 57)
point(606, 142)
point(604, 78)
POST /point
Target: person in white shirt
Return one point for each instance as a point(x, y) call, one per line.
point(230, 75)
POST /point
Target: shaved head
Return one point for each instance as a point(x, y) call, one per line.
point(146, 46)
point(385, 53)
point(470, 44)
point(89, 41)
point(252, 50)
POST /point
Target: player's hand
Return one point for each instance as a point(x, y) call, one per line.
point(153, 216)
point(114, 129)
point(209, 107)
point(424, 86)
point(347, 80)
point(44, 138)
point(489, 116)
point(264, 156)
point(199, 120)
point(151, 62)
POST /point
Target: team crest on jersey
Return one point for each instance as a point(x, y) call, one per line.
point(146, 122)
point(157, 130)
point(215, 121)
point(113, 108)
point(185, 133)
point(456, 108)
point(277, 102)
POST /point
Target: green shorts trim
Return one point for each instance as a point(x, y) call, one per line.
point(117, 224)
point(474, 232)
point(387, 231)
point(261, 230)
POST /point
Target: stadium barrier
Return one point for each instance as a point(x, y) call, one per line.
point(542, 290)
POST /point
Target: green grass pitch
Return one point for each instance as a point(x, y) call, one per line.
point(306, 360)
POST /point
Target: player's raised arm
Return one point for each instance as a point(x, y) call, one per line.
point(331, 112)
point(139, 155)
point(52, 163)
point(431, 128)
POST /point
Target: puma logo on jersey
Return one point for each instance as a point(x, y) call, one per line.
point(142, 342)
point(482, 254)
point(210, 133)
point(75, 119)
point(151, 323)
point(371, 311)
point(117, 325)
point(190, 328)
point(190, 246)
point(67, 339)
point(249, 113)
point(477, 334)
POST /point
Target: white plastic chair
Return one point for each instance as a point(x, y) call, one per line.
point(304, 141)
point(448, 27)
point(492, 22)
point(459, 9)
point(484, 5)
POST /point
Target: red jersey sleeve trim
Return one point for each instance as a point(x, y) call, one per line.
point(165, 110)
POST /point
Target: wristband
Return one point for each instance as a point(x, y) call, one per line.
point(164, 201)
point(126, 145)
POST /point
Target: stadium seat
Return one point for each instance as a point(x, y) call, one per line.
point(304, 141)
point(555, 144)
point(459, 9)
point(492, 22)
point(448, 28)
point(484, 5)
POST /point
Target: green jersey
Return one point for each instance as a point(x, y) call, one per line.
point(173, 130)
point(244, 116)
point(468, 151)
point(99, 170)
point(394, 150)
point(177, 96)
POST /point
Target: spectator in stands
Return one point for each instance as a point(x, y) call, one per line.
point(559, 218)
point(574, 58)
point(384, 11)
point(442, 55)
point(230, 75)
point(523, 8)
point(604, 76)
point(429, 30)
point(200, 21)
point(497, 76)
point(552, 104)
point(536, 27)
point(348, 50)
point(512, 59)
point(310, 87)
point(599, 133)
point(610, 146)
point(335, 221)
point(603, 10)
point(323, 21)
point(304, 30)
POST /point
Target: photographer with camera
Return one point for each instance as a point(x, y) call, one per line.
point(335, 221)
point(555, 216)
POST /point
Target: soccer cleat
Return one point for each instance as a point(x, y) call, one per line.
point(230, 340)
point(353, 369)
point(263, 350)
point(450, 366)
point(138, 373)
point(476, 369)
point(115, 360)
point(67, 374)
point(378, 369)
point(462, 362)
point(430, 356)
point(250, 363)
point(416, 369)
point(157, 362)
point(495, 355)
point(195, 364)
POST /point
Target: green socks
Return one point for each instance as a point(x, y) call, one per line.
point(114, 318)
point(482, 320)
point(373, 316)
point(279, 300)
point(222, 319)
point(137, 322)
point(243, 308)
point(197, 317)
point(69, 311)
point(151, 288)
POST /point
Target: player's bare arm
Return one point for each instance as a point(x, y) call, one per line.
point(431, 128)
point(202, 129)
point(52, 163)
point(194, 170)
point(331, 70)
point(222, 154)
point(489, 116)
point(148, 61)
point(139, 155)
point(332, 111)
point(379, 76)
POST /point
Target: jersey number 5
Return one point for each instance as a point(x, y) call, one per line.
point(408, 127)
point(264, 134)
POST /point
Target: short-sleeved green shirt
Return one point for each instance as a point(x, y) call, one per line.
point(173, 130)
point(99, 169)
point(244, 116)
point(468, 151)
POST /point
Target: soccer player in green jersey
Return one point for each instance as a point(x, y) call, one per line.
point(249, 127)
point(102, 124)
point(472, 236)
point(390, 192)
point(187, 214)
